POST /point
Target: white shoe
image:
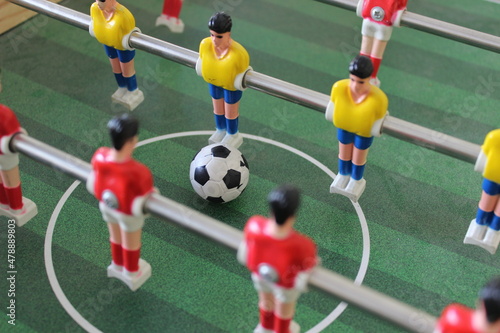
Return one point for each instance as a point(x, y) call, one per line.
point(475, 233)
point(173, 23)
point(23, 215)
point(118, 94)
point(130, 99)
point(260, 329)
point(294, 327)
point(339, 182)
point(491, 240)
point(136, 279)
point(217, 136)
point(233, 140)
point(115, 271)
point(375, 81)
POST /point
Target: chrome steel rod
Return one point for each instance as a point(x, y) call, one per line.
point(398, 128)
point(435, 27)
point(167, 209)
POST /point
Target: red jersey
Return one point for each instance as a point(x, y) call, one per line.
point(289, 256)
point(456, 318)
point(126, 180)
point(8, 122)
point(382, 11)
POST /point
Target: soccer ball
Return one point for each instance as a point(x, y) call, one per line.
point(219, 173)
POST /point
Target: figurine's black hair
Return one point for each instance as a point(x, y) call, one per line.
point(121, 129)
point(284, 202)
point(361, 66)
point(490, 296)
point(220, 22)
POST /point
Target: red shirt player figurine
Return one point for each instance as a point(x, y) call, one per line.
point(12, 202)
point(280, 260)
point(170, 16)
point(121, 184)
point(457, 318)
point(379, 16)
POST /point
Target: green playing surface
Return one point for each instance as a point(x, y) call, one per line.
point(417, 204)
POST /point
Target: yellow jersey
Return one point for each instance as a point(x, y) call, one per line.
point(111, 32)
point(222, 71)
point(491, 148)
point(357, 118)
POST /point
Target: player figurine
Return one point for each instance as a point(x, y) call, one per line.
point(223, 63)
point(457, 318)
point(280, 260)
point(484, 230)
point(113, 24)
point(12, 203)
point(379, 16)
point(122, 185)
point(170, 16)
point(358, 109)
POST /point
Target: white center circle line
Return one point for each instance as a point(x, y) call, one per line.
point(80, 320)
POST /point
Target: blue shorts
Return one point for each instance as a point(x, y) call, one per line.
point(230, 96)
point(360, 142)
point(490, 187)
point(123, 56)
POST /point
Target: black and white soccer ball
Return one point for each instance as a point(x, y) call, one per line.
point(219, 173)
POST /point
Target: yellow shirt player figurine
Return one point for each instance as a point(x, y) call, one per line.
point(223, 64)
point(484, 230)
point(112, 24)
point(357, 108)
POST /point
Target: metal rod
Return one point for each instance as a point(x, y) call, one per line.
point(435, 27)
point(398, 128)
point(167, 209)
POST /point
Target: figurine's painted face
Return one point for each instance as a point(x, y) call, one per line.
point(220, 40)
point(359, 86)
point(105, 5)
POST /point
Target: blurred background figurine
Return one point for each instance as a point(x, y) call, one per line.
point(358, 109)
point(112, 25)
point(379, 16)
point(223, 63)
point(457, 318)
point(484, 230)
point(170, 16)
point(280, 260)
point(122, 185)
point(12, 202)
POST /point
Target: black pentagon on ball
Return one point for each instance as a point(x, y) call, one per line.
point(220, 151)
point(216, 200)
point(232, 179)
point(201, 175)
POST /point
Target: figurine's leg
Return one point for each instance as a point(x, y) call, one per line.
point(133, 96)
point(115, 241)
point(217, 94)
point(131, 245)
point(377, 54)
point(4, 200)
point(479, 226)
point(266, 312)
point(492, 236)
point(366, 45)
point(283, 317)
point(346, 140)
point(170, 16)
point(231, 112)
point(117, 71)
point(11, 180)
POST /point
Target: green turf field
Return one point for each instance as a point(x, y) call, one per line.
point(418, 203)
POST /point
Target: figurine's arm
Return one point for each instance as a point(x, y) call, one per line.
point(241, 255)
point(330, 110)
point(377, 126)
point(481, 162)
point(359, 8)
point(243, 68)
point(396, 19)
point(126, 39)
point(238, 80)
point(140, 201)
point(5, 142)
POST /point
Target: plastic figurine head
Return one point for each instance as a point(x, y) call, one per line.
point(105, 5)
point(122, 129)
point(361, 66)
point(220, 22)
point(284, 202)
point(487, 315)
